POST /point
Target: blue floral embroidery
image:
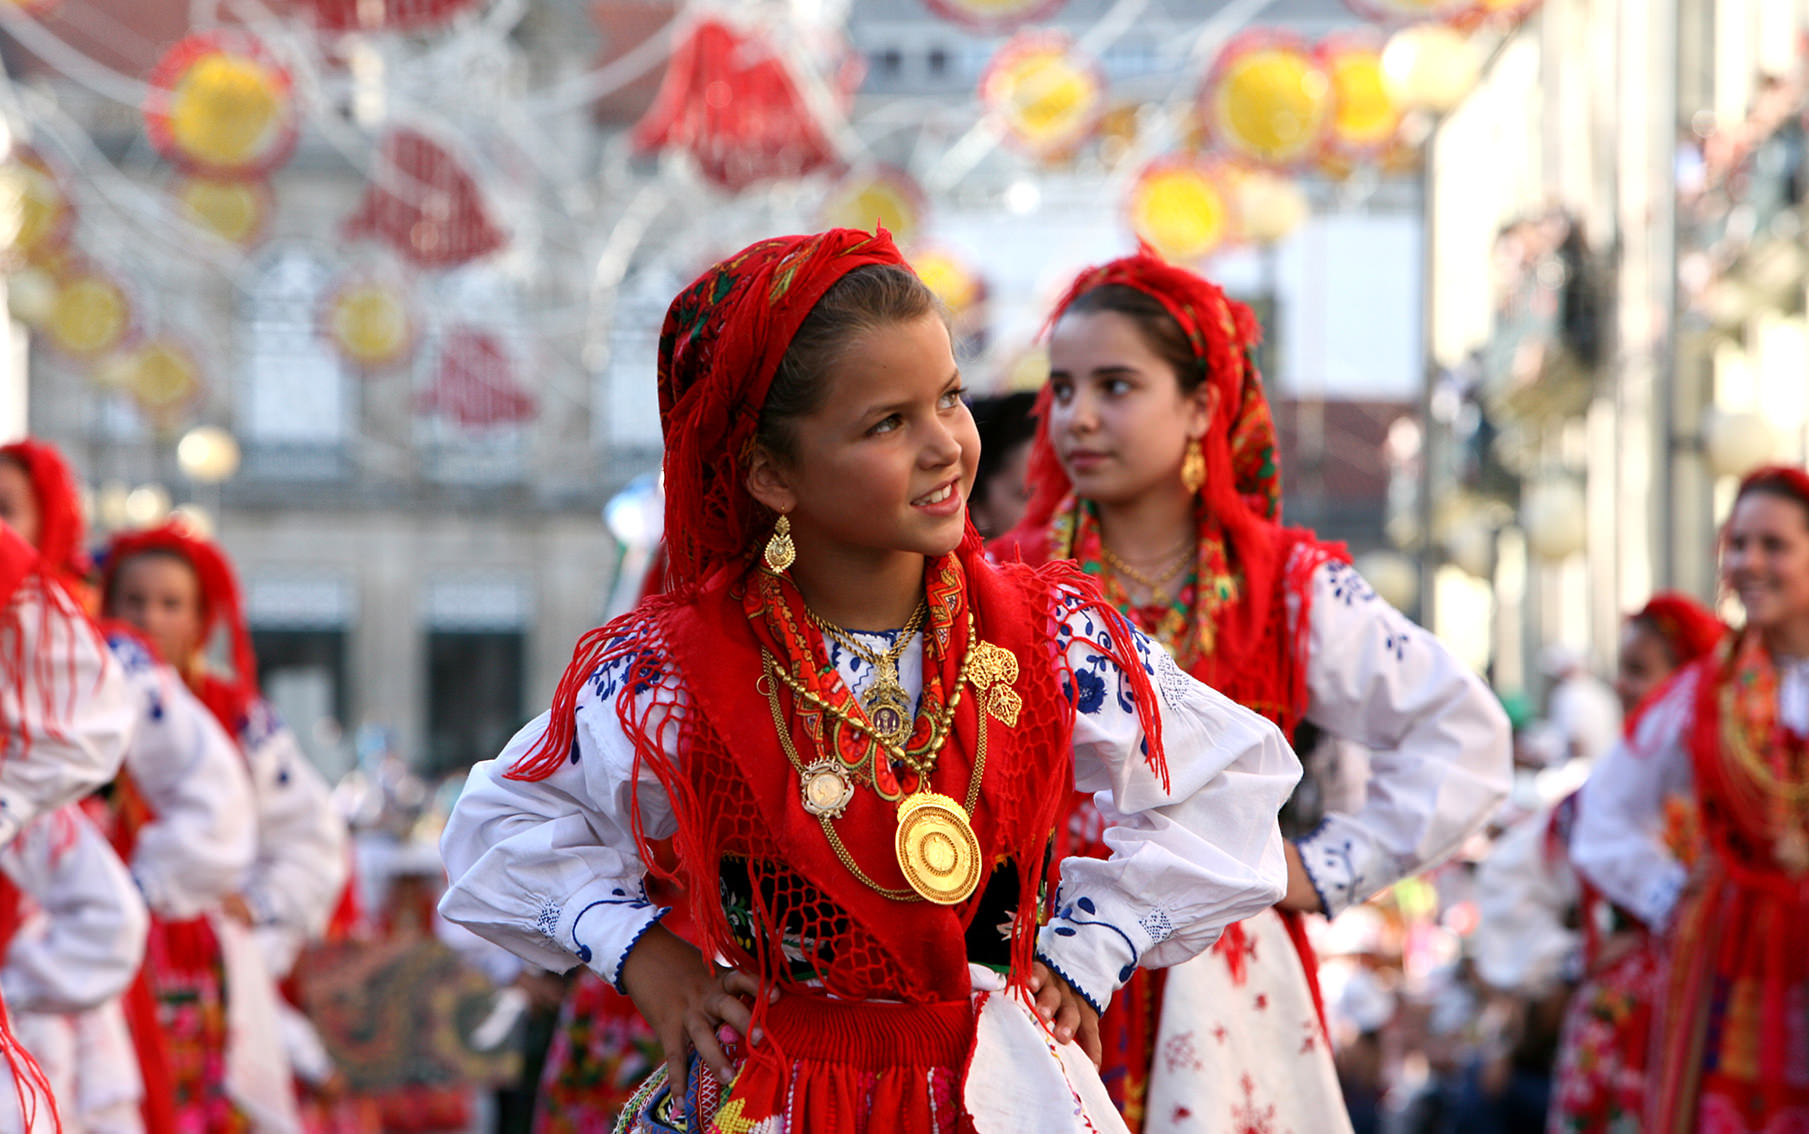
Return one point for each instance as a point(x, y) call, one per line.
point(1085, 905)
point(1091, 691)
point(1347, 586)
point(1339, 861)
point(1395, 642)
point(640, 669)
point(621, 897)
point(130, 653)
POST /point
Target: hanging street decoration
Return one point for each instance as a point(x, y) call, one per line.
point(1268, 100)
point(236, 211)
point(1044, 92)
point(221, 105)
point(165, 380)
point(425, 205)
point(730, 101)
point(883, 195)
point(1269, 206)
point(947, 274)
point(90, 315)
point(35, 211)
point(369, 319)
point(476, 387)
point(382, 15)
point(1410, 11)
point(995, 17)
point(1365, 119)
point(1184, 207)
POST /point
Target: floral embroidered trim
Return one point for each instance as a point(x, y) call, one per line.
point(1337, 873)
point(1085, 905)
point(1345, 584)
point(1156, 924)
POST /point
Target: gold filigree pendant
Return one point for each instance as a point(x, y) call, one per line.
point(937, 849)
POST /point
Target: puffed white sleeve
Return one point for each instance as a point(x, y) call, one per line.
point(1525, 891)
point(65, 712)
point(85, 941)
point(1185, 862)
point(301, 863)
point(1618, 842)
point(204, 836)
point(548, 869)
point(1441, 757)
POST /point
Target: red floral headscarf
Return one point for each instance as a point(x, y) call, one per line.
point(720, 346)
point(59, 509)
point(227, 696)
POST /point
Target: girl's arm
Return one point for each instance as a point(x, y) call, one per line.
point(301, 863)
point(1439, 743)
point(1186, 862)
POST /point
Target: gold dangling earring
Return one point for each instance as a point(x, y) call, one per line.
point(1193, 467)
point(780, 551)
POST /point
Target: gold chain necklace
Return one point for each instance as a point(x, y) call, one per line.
point(1156, 584)
point(885, 701)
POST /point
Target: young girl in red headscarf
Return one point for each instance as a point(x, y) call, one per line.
point(860, 736)
point(1155, 469)
point(177, 589)
point(1731, 732)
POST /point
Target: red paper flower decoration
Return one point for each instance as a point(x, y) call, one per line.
point(382, 15)
point(476, 386)
point(425, 205)
point(730, 101)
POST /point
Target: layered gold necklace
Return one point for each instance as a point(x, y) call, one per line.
point(887, 705)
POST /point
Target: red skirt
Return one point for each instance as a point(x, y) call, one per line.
point(1600, 1081)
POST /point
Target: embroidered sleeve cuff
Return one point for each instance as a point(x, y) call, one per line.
point(1339, 863)
point(1092, 953)
point(1092, 1000)
point(601, 923)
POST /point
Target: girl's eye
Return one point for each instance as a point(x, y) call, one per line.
point(1061, 390)
point(1118, 386)
point(952, 398)
point(884, 425)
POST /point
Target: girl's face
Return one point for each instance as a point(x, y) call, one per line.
point(161, 597)
point(887, 463)
point(18, 503)
point(1118, 421)
point(1766, 560)
point(1645, 662)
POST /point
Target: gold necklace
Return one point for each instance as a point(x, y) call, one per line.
point(885, 701)
point(1157, 584)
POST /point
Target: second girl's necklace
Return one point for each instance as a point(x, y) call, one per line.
point(887, 705)
point(1157, 584)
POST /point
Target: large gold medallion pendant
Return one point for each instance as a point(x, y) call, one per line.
point(827, 789)
point(937, 849)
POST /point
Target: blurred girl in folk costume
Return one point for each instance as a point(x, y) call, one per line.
point(1155, 469)
point(1731, 1053)
point(181, 817)
point(861, 736)
point(177, 589)
point(66, 715)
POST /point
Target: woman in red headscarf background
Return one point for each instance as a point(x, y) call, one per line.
point(212, 973)
point(860, 736)
point(1731, 733)
point(1533, 908)
point(1155, 469)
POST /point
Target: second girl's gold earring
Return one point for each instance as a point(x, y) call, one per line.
point(780, 551)
point(1193, 466)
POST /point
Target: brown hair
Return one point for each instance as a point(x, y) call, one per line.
point(1160, 332)
point(878, 295)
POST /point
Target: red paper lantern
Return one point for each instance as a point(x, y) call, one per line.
point(476, 386)
point(730, 101)
point(381, 15)
point(424, 204)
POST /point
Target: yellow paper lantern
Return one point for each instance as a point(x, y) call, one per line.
point(234, 210)
point(1183, 208)
point(370, 323)
point(884, 195)
point(1046, 95)
point(165, 378)
point(223, 105)
point(34, 211)
point(1268, 100)
point(945, 274)
point(1429, 67)
point(89, 316)
point(1364, 116)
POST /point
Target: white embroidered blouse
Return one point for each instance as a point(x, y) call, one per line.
point(549, 869)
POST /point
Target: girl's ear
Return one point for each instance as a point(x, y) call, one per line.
point(770, 482)
point(1202, 407)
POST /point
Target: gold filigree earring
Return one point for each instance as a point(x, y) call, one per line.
point(1193, 467)
point(780, 552)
